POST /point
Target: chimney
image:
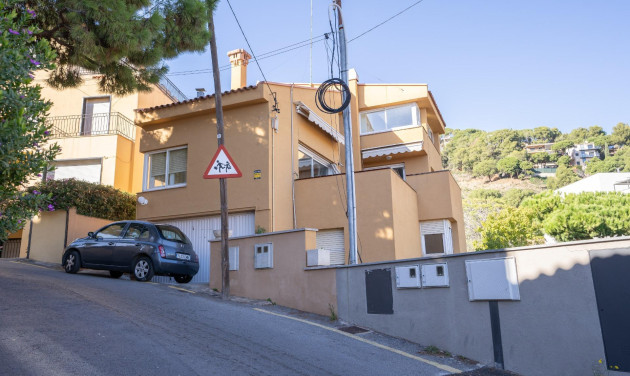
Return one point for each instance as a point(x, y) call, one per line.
point(239, 60)
point(200, 92)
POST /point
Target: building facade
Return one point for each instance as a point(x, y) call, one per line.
point(293, 166)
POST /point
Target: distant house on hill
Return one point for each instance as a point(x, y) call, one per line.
point(539, 148)
point(602, 182)
point(581, 154)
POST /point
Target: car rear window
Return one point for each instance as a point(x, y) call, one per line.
point(171, 233)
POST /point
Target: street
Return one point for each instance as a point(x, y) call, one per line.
point(53, 323)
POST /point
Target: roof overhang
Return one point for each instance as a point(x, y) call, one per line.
point(391, 150)
point(305, 111)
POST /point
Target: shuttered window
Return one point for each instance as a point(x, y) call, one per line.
point(437, 237)
point(169, 163)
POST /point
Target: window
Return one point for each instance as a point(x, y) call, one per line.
point(166, 169)
point(390, 118)
point(398, 168)
point(263, 256)
point(310, 165)
point(111, 231)
point(437, 237)
point(137, 231)
point(434, 243)
point(233, 255)
point(171, 233)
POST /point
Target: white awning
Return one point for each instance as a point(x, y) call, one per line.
point(389, 150)
point(303, 110)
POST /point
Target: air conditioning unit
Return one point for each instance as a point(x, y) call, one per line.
point(324, 257)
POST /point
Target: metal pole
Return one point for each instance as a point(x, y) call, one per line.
point(225, 260)
point(347, 126)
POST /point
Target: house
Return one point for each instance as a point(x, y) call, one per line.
point(293, 168)
point(96, 132)
point(581, 154)
point(539, 148)
point(601, 182)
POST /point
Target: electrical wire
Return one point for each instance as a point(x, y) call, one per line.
point(275, 106)
point(387, 20)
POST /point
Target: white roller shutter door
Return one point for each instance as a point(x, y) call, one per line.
point(89, 171)
point(200, 231)
point(332, 240)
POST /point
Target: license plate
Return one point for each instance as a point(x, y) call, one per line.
point(183, 256)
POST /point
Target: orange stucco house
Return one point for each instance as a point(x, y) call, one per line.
point(293, 168)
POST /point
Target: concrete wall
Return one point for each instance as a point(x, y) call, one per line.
point(287, 283)
point(49, 232)
point(553, 330)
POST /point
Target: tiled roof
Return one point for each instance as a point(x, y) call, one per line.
point(196, 99)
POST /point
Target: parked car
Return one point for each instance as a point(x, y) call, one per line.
point(142, 249)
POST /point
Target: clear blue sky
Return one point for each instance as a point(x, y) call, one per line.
point(490, 64)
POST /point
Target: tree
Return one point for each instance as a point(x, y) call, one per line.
point(562, 146)
point(125, 41)
point(544, 134)
point(23, 131)
point(509, 166)
point(564, 160)
point(595, 131)
point(509, 228)
point(539, 158)
point(620, 134)
point(564, 176)
point(485, 168)
point(526, 167)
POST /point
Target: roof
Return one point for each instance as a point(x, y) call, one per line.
point(602, 182)
point(239, 90)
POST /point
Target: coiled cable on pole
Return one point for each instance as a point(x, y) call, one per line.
point(320, 96)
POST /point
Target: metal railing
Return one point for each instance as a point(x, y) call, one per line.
point(92, 125)
point(171, 90)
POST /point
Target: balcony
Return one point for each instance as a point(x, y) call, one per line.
point(112, 123)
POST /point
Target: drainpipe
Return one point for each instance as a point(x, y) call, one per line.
point(292, 161)
point(30, 234)
point(65, 237)
point(273, 178)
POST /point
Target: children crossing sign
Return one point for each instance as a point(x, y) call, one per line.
point(222, 166)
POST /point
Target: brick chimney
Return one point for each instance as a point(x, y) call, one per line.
point(239, 60)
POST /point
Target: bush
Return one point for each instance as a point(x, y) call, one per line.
point(90, 199)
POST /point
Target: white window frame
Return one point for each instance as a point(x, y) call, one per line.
point(392, 166)
point(415, 118)
point(145, 178)
point(270, 249)
point(447, 238)
point(331, 166)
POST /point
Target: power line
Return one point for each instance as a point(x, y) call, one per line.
point(387, 20)
point(275, 106)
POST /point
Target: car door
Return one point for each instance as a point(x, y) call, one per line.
point(99, 252)
point(135, 240)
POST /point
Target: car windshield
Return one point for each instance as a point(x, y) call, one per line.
point(171, 233)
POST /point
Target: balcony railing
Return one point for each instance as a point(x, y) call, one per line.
point(92, 125)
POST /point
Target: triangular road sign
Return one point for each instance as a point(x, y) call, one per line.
point(222, 166)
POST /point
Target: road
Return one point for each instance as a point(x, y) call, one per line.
point(53, 323)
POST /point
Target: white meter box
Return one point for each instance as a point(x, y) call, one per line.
point(435, 275)
point(408, 277)
point(492, 279)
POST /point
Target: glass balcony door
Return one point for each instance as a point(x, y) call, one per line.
point(96, 115)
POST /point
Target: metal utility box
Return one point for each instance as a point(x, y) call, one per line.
point(408, 276)
point(324, 257)
point(492, 279)
point(435, 275)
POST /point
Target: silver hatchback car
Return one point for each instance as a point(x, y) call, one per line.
point(142, 249)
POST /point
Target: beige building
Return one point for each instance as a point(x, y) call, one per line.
point(293, 168)
point(96, 132)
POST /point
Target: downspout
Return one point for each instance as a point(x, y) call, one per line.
point(273, 177)
point(65, 237)
point(292, 161)
point(30, 234)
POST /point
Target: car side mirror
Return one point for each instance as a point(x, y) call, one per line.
point(91, 234)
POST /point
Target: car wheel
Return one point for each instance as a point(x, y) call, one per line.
point(143, 269)
point(183, 278)
point(115, 274)
point(72, 262)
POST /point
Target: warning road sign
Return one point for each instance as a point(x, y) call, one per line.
point(222, 166)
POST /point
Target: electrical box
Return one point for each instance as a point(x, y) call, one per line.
point(408, 277)
point(492, 279)
point(263, 256)
point(435, 275)
point(324, 257)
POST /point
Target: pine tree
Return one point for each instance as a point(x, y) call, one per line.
point(124, 41)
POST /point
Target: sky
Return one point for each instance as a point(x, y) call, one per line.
point(490, 64)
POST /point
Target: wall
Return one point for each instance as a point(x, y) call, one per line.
point(553, 330)
point(287, 283)
point(49, 232)
point(89, 147)
point(155, 97)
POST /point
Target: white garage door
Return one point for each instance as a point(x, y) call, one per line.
point(87, 170)
point(200, 231)
point(332, 240)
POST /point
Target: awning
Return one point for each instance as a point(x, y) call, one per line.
point(390, 150)
point(303, 110)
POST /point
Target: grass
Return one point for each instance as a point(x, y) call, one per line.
point(333, 315)
point(271, 301)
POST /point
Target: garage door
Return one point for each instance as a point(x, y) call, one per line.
point(332, 239)
point(200, 231)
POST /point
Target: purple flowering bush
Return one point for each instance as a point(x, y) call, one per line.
point(23, 129)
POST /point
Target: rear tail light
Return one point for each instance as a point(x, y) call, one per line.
point(162, 251)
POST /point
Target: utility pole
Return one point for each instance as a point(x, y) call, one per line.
point(347, 126)
point(225, 260)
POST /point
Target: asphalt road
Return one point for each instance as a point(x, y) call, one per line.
point(53, 323)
